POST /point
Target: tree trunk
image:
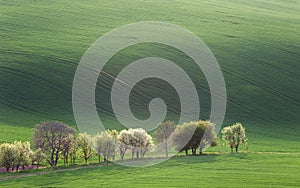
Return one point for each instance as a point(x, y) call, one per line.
point(67, 159)
point(56, 158)
point(99, 158)
point(141, 153)
point(236, 149)
point(186, 152)
point(167, 150)
point(200, 150)
point(194, 151)
point(132, 153)
point(52, 158)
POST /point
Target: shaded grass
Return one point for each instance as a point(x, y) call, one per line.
point(256, 44)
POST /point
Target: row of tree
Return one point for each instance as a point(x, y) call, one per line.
point(55, 140)
point(19, 154)
point(108, 143)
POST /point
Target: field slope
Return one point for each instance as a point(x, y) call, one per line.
point(256, 42)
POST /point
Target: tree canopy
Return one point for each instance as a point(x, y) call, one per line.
point(51, 138)
point(201, 133)
point(234, 136)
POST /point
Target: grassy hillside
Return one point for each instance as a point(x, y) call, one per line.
point(256, 43)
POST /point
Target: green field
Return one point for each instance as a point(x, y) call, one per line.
point(251, 170)
point(256, 42)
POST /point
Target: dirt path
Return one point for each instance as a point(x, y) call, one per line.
point(279, 153)
point(50, 172)
point(98, 165)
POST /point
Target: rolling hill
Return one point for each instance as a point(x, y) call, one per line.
point(256, 43)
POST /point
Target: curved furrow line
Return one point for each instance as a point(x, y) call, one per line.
point(51, 58)
point(263, 86)
point(30, 77)
point(271, 65)
point(231, 100)
point(252, 112)
point(25, 109)
point(37, 28)
point(138, 94)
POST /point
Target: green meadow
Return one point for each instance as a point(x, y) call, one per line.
point(242, 170)
point(256, 43)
